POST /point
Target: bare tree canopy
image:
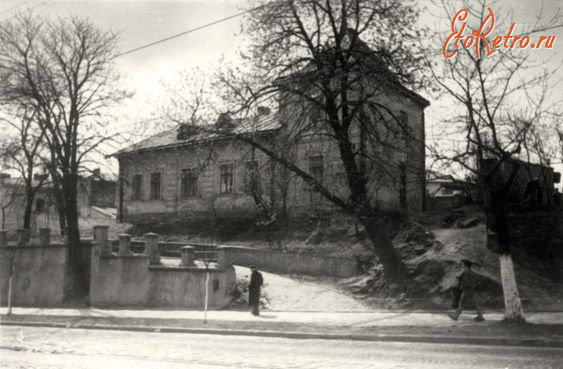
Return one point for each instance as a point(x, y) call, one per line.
point(62, 71)
point(23, 154)
point(501, 106)
point(334, 71)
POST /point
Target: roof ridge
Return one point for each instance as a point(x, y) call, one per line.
point(169, 137)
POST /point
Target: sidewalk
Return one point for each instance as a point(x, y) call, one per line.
point(542, 329)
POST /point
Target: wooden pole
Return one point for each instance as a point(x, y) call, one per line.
point(206, 292)
point(9, 297)
point(10, 283)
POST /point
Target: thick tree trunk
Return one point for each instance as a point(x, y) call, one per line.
point(76, 286)
point(393, 267)
point(499, 240)
point(512, 307)
point(27, 211)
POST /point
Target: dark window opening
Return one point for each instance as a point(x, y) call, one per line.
point(189, 182)
point(137, 186)
point(39, 205)
point(155, 186)
point(227, 180)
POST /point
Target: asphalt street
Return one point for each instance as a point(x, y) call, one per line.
point(28, 347)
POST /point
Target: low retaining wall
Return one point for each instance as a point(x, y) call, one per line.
point(39, 274)
point(116, 279)
point(286, 263)
point(130, 280)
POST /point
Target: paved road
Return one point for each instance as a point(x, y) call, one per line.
point(43, 348)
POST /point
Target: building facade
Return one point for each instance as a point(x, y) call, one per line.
point(173, 175)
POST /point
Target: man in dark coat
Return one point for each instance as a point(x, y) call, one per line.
point(256, 281)
point(466, 283)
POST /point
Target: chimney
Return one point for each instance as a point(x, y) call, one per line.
point(96, 172)
point(225, 122)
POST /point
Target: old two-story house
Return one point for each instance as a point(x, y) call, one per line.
point(186, 172)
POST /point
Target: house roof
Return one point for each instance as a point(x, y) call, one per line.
point(169, 138)
point(370, 61)
point(444, 178)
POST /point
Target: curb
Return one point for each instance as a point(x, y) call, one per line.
point(437, 339)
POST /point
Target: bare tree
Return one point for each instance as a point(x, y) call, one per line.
point(8, 196)
point(24, 156)
point(337, 70)
point(63, 71)
point(502, 106)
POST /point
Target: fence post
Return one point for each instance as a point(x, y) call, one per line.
point(44, 236)
point(64, 235)
point(187, 255)
point(23, 237)
point(3, 238)
point(125, 244)
point(223, 257)
point(101, 240)
point(151, 248)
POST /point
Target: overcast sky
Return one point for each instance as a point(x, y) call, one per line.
point(141, 22)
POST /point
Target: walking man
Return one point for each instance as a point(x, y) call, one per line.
point(256, 281)
point(467, 281)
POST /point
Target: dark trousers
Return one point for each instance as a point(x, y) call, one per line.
point(254, 300)
point(465, 299)
point(456, 296)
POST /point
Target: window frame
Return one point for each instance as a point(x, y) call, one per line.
point(230, 187)
point(185, 181)
point(137, 187)
point(152, 195)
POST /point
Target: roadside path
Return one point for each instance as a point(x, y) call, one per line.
point(56, 348)
point(542, 329)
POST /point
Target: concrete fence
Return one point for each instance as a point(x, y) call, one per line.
point(138, 273)
point(38, 269)
point(126, 278)
point(122, 278)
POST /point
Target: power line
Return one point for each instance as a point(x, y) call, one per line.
point(14, 7)
point(21, 3)
point(186, 32)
